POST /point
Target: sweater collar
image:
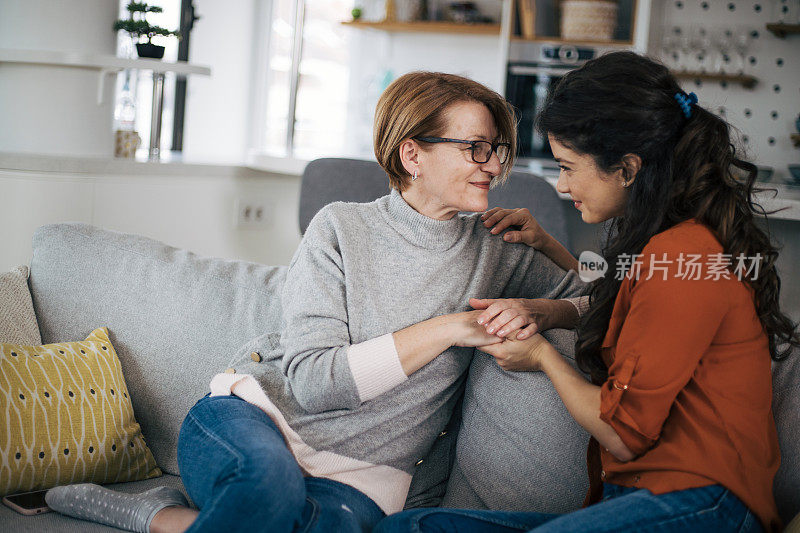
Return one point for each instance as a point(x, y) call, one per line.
point(418, 229)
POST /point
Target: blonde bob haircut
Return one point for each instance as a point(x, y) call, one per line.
point(415, 105)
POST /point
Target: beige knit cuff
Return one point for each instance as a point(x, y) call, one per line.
point(375, 366)
point(581, 304)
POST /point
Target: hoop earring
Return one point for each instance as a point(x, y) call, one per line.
point(415, 176)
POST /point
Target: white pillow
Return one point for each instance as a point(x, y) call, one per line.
point(18, 323)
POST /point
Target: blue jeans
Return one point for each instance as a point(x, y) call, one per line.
point(711, 508)
point(237, 469)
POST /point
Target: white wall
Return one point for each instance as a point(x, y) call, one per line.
point(45, 109)
point(218, 108)
point(76, 25)
point(195, 213)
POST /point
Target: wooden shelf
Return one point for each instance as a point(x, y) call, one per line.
point(748, 82)
point(559, 40)
point(782, 30)
point(795, 139)
point(97, 61)
point(427, 27)
point(524, 25)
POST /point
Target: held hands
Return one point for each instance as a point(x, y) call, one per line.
point(521, 356)
point(465, 330)
point(530, 232)
point(514, 318)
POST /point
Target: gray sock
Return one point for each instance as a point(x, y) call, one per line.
point(133, 512)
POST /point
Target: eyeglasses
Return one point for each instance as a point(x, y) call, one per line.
point(481, 150)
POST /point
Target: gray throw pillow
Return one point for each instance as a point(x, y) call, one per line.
point(518, 447)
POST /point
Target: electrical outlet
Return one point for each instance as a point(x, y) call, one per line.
point(253, 213)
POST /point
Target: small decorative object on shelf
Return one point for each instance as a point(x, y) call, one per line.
point(782, 30)
point(126, 139)
point(795, 137)
point(794, 175)
point(594, 20)
point(718, 52)
point(697, 53)
point(391, 11)
point(356, 13)
point(609, 23)
point(138, 27)
point(466, 13)
point(408, 10)
point(764, 174)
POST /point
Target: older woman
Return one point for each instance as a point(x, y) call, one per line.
point(375, 341)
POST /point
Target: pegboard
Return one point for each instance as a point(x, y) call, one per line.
point(765, 115)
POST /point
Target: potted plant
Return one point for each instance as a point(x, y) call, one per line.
point(138, 27)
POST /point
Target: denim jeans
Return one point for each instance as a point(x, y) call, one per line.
point(711, 508)
point(237, 469)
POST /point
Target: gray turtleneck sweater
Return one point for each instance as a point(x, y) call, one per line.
point(362, 272)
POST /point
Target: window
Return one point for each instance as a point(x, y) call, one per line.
point(308, 79)
point(323, 83)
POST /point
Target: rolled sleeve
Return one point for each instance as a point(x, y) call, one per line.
point(670, 324)
point(623, 416)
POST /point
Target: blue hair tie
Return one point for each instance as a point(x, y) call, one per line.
point(686, 101)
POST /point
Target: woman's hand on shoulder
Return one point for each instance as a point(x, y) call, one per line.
point(521, 356)
point(529, 231)
point(514, 318)
point(526, 229)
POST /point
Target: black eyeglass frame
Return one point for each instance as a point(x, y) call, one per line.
point(493, 145)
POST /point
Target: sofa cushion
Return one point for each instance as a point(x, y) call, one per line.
point(17, 319)
point(12, 521)
point(68, 417)
point(520, 450)
point(176, 319)
point(518, 447)
point(786, 410)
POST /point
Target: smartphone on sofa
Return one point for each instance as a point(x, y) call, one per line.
point(27, 503)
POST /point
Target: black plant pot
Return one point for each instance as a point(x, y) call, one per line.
point(150, 50)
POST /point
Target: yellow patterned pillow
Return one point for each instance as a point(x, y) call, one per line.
point(67, 417)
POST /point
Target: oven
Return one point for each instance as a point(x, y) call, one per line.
point(532, 69)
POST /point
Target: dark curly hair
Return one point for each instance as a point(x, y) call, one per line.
point(623, 103)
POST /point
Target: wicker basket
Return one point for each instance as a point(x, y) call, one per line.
point(593, 20)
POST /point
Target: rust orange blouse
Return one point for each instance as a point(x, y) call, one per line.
point(689, 389)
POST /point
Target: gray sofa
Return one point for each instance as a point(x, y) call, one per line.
point(176, 319)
